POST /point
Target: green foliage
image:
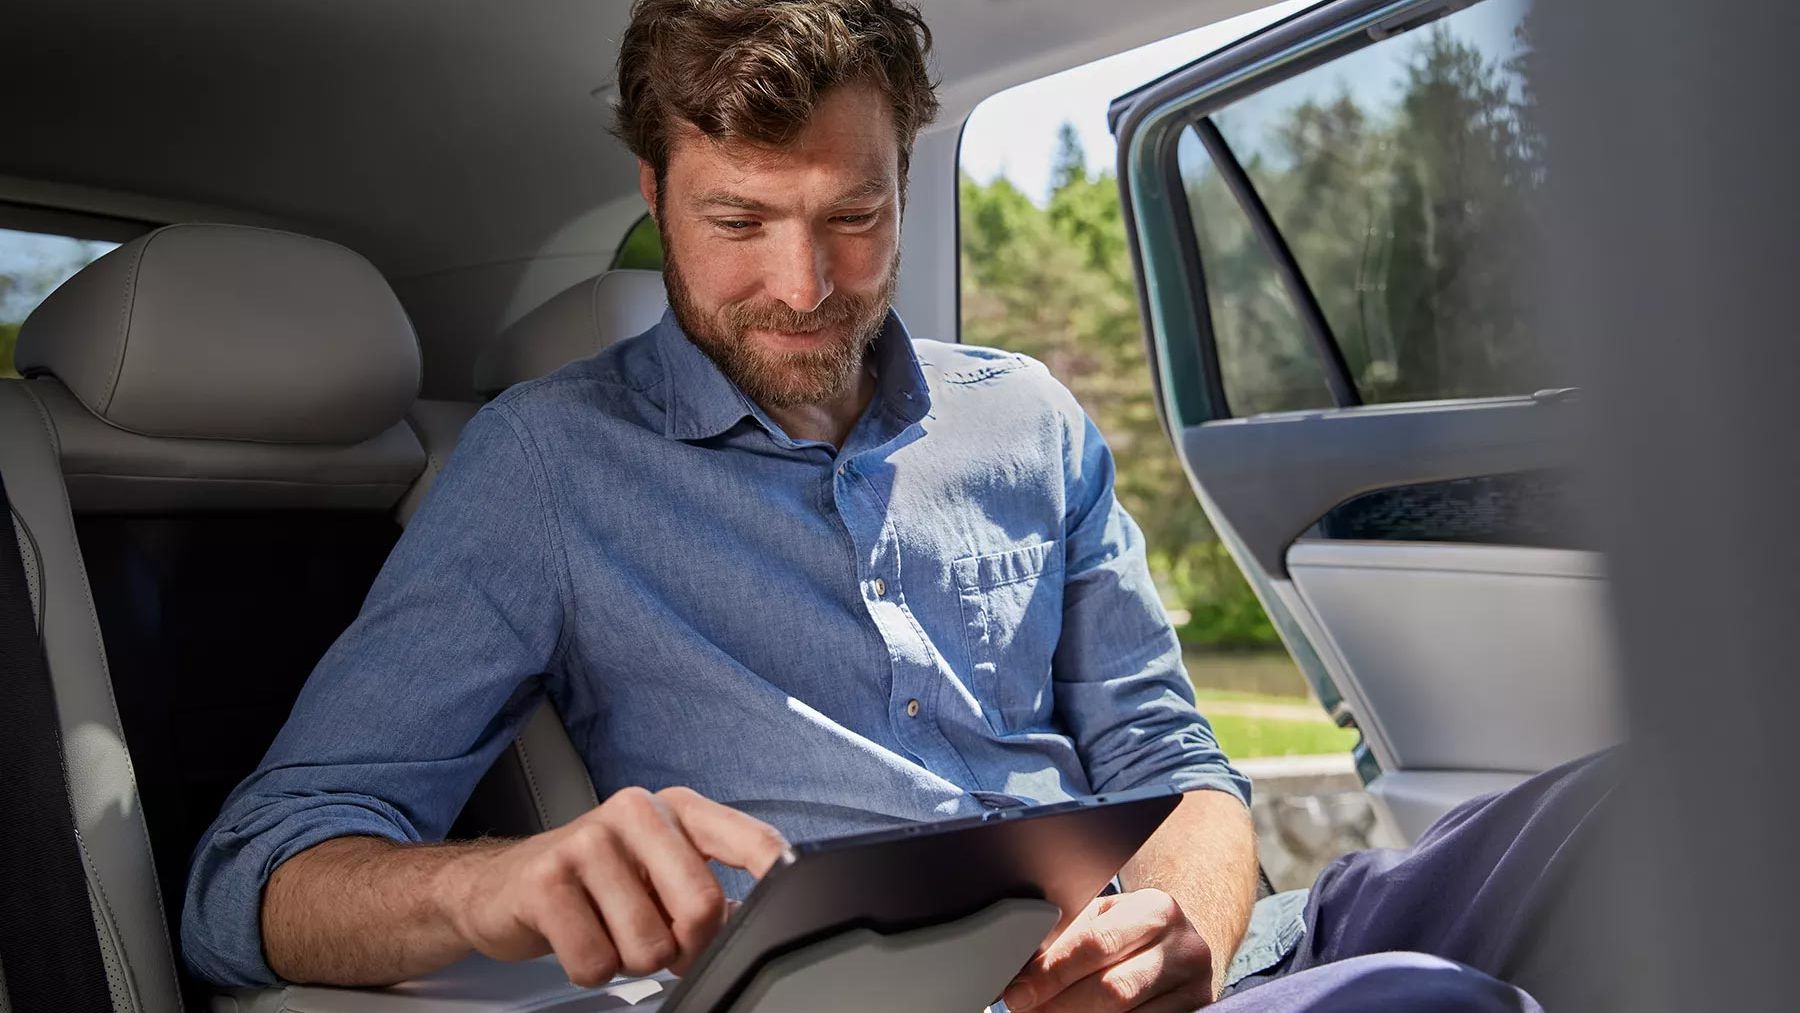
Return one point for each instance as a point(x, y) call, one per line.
point(9, 340)
point(1221, 610)
point(1055, 282)
point(642, 249)
point(1412, 221)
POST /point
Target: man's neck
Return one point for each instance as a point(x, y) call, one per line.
point(830, 420)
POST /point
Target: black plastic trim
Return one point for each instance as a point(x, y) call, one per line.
point(1274, 476)
point(1193, 269)
point(51, 221)
point(1331, 357)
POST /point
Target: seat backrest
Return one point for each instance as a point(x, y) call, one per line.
point(205, 457)
point(574, 324)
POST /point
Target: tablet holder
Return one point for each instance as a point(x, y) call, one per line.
point(962, 965)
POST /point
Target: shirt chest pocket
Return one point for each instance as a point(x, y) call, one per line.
point(1011, 617)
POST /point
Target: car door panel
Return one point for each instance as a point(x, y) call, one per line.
point(1471, 657)
point(1275, 476)
point(1421, 558)
point(1415, 799)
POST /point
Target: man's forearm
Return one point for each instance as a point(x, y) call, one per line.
point(362, 911)
point(1204, 856)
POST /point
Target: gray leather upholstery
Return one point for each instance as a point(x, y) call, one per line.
point(576, 322)
point(228, 332)
point(198, 368)
point(110, 470)
point(437, 425)
point(539, 784)
point(71, 449)
point(115, 845)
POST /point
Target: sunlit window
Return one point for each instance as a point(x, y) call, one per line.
point(32, 265)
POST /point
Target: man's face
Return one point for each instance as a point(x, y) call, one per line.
point(781, 264)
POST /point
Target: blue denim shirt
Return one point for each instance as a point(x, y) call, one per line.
point(950, 612)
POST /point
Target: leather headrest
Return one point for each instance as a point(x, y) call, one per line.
point(576, 322)
point(230, 332)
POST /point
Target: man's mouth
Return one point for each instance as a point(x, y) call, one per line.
point(796, 340)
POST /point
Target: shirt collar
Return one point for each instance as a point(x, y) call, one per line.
point(703, 403)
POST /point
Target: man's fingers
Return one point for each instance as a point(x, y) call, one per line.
point(1096, 907)
point(1101, 937)
point(1132, 984)
point(566, 918)
point(723, 833)
point(685, 888)
point(631, 916)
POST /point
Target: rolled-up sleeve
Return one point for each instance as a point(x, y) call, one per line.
point(1121, 689)
point(413, 702)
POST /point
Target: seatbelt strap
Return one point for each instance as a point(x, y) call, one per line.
point(49, 950)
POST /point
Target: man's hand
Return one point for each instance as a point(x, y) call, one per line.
point(623, 888)
point(1131, 951)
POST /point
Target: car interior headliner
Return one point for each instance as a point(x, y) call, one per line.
point(459, 146)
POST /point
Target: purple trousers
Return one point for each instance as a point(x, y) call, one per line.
point(1485, 912)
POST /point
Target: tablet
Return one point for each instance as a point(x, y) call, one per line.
point(894, 881)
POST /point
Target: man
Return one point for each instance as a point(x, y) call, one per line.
point(783, 570)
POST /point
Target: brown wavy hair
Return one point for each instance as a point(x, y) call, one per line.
point(755, 70)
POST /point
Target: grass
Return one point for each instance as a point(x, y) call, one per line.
point(1246, 737)
point(1206, 693)
point(1259, 705)
point(1291, 725)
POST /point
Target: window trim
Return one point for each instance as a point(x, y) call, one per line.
point(1330, 351)
point(50, 221)
point(1150, 119)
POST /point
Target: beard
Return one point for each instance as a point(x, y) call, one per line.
point(776, 379)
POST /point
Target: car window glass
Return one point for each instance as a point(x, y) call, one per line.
point(32, 265)
point(1403, 176)
point(641, 249)
point(1267, 360)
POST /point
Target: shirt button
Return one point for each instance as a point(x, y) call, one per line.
point(912, 708)
point(880, 587)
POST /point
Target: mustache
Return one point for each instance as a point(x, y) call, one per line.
point(836, 311)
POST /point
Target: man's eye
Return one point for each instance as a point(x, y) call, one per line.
point(734, 224)
point(859, 219)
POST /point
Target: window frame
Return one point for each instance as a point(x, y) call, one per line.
point(83, 225)
point(1189, 388)
point(1293, 280)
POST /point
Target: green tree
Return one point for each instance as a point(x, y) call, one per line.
point(1412, 221)
point(1055, 282)
point(1070, 161)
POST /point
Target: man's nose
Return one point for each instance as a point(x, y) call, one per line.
point(800, 274)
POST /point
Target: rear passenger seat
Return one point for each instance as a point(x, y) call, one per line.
point(209, 459)
point(205, 453)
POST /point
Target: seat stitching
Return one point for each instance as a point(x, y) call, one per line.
point(418, 431)
point(117, 726)
point(304, 483)
point(118, 366)
point(537, 798)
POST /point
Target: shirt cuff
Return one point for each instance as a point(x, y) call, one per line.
point(221, 921)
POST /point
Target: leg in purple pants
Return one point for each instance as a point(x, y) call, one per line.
point(1482, 913)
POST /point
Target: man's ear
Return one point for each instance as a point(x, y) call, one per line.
point(647, 187)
